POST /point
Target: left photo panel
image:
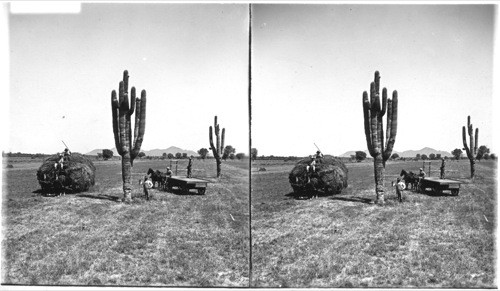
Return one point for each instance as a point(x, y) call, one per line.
point(127, 155)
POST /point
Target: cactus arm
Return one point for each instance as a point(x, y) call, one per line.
point(116, 129)
point(464, 140)
point(212, 147)
point(476, 143)
point(366, 113)
point(222, 140)
point(392, 124)
point(389, 121)
point(142, 125)
point(129, 121)
point(471, 140)
point(132, 101)
point(394, 117)
point(384, 102)
point(137, 118)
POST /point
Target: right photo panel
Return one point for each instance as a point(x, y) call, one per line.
point(373, 155)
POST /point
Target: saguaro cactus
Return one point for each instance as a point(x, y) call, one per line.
point(219, 148)
point(472, 150)
point(127, 147)
point(374, 131)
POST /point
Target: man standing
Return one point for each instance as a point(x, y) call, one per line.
point(147, 184)
point(400, 187)
point(442, 168)
point(190, 165)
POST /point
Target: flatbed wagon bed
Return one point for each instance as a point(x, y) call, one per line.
point(439, 185)
point(185, 184)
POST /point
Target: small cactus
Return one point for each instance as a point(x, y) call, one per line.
point(472, 150)
point(219, 148)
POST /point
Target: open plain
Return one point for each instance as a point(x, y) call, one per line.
point(91, 239)
point(344, 240)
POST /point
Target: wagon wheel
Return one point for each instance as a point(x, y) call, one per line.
point(184, 189)
point(454, 192)
point(201, 191)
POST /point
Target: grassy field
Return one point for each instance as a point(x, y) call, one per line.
point(346, 241)
point(90, 239)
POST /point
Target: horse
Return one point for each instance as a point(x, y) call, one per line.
point(157, 177)
point(410, 179)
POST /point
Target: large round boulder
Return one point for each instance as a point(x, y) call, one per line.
point(330, 176)
point(78, 174)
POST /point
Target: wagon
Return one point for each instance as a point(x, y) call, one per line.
point(440, 185)
point(185, 184)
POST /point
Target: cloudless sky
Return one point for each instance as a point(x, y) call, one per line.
point(313, 62)
point(192, 59)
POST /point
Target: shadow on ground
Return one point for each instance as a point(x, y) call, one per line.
point(101, 197)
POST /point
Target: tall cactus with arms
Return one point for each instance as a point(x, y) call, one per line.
point(472, 150)
point(127, 147)
point(374, 131)
point(217, 151)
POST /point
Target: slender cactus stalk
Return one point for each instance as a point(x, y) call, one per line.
point(472, 150)
point(217, 151)
point(380, 149)
point(127, 147)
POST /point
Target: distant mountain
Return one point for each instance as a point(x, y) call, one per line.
point(155, 152)
point(407, 154)
point(427, 151)
point(171, 150)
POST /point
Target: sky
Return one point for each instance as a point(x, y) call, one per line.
point(313, 62)
point(192, 59)
point(310, 66)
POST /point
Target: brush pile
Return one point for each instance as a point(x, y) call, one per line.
point(330, 176)
point(78, 174)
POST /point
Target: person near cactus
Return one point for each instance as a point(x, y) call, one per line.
point(400, 187)
point(146, 185)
